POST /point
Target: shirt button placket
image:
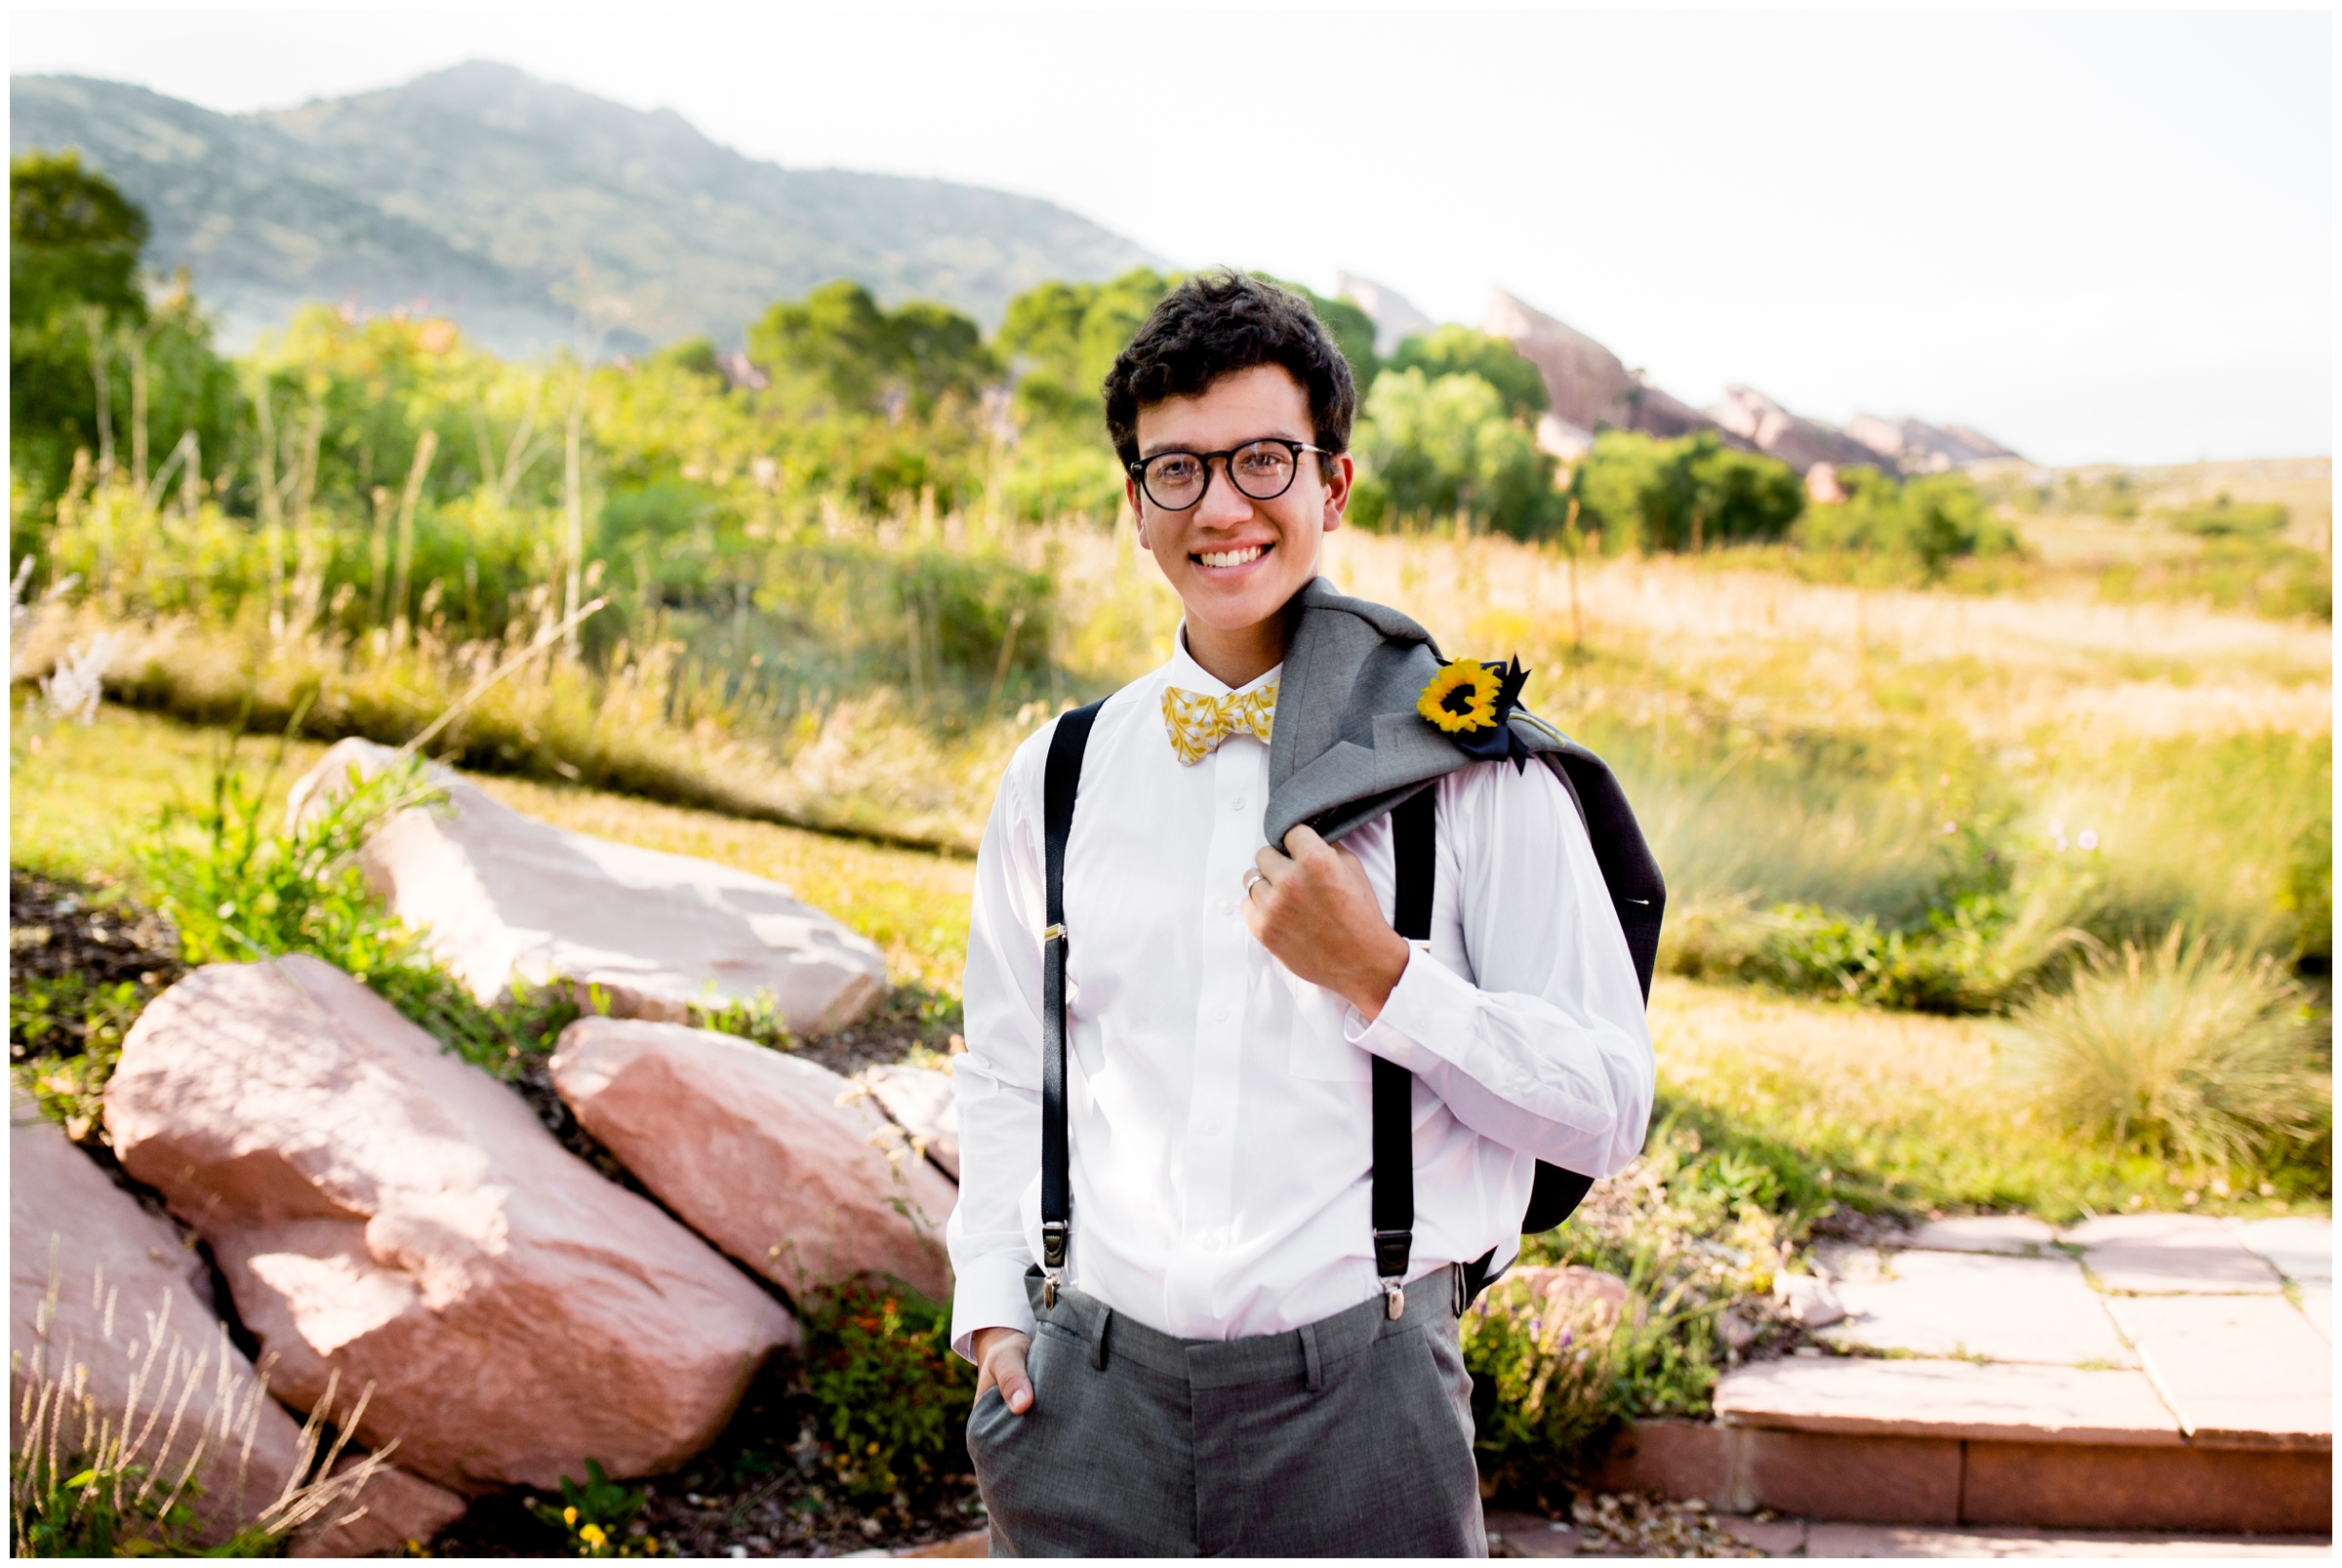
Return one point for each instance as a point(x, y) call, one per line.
point(1219, 1005)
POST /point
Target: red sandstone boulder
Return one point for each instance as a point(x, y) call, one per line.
point(786, 1165)
point(920, 1102)
point(502, 897)
point(382, 1210)
point(101, 1288)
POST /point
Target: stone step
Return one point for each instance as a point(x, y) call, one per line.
point(1931, 1442)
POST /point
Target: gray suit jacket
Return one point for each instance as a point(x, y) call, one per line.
point(1348, 745)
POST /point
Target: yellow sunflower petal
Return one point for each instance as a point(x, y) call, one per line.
point(1474, 683)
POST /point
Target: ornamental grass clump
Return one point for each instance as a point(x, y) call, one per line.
point(88, 1479)
point(2192, 1052)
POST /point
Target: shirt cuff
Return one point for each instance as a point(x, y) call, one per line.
point(1422, 1017)
point(989, 1293)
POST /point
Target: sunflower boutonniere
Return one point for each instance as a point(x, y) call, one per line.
point(1472, 702)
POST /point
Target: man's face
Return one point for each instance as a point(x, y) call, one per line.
point(1234, 561)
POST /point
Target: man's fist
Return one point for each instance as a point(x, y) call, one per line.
point(1314, 909)
point(1000, 1360)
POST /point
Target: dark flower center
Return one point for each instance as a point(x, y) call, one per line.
point(1458, 701)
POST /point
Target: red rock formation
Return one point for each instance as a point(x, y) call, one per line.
point(786, 1166)
point(383, 1210)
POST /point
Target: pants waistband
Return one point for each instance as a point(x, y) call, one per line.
point(1306, 1351)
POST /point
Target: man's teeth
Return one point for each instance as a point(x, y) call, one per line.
point(1232, 557)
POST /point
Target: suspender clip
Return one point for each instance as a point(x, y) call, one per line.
point(1053, 1244)
point(1396, 1297)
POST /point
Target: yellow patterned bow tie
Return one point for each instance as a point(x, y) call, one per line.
point(1197, 724)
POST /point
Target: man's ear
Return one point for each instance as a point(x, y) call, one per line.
point(1339, 475)
point(1137, 513)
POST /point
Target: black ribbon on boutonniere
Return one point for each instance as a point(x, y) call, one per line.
point(1472, 702)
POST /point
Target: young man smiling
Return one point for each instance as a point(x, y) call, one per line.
point(1230, 1346)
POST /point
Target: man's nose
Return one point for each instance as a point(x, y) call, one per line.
point(1224, 506)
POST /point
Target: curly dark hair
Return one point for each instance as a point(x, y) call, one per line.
point(1215, 324)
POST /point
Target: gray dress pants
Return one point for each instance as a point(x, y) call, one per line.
point(1350, 1437)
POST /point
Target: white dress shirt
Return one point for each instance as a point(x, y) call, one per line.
point(1219, 1108)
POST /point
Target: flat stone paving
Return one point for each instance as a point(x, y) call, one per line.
point(2298, 1248)
point(2239, 1371)
point(2171, 1253)
point(2172, 1331)
point(1922, 1399)
point(1529, 1535)
point(1957, 1303)
point(2019, 1235)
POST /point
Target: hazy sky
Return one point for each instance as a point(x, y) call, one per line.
point(2098, 235)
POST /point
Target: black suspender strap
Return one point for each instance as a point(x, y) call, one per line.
point(1061, 781)
point(1414, 846)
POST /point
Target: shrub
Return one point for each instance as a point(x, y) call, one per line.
point(2201, 1054)
point(890, 1393)
point(1934, 518)
point(2222, 518)
point(1541, 1371)
point(239, 890)
point(1687, 494)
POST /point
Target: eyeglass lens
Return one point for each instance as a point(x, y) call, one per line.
point(1262, 471)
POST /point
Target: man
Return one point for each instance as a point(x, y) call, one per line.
point(1220, 1366)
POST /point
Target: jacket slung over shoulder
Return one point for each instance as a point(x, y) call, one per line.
point(1349, 745)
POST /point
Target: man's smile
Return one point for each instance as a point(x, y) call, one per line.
point(1243, 556)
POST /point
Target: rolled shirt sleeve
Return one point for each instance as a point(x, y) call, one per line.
point(1524, 1011)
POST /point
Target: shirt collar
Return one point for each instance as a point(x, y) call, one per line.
point(1183, 671)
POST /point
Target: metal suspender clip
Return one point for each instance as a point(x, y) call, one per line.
point(1053, 1256)
point(1390, 1249)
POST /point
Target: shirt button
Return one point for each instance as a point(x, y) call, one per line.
point(1210, 1129)
point(1237, 803)
point(1228, 906)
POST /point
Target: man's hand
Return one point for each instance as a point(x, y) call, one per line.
point(1314, 909)
point(1000, 1360)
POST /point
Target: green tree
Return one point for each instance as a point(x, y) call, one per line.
point(1437, 446)
point(1935, 518)
point(838, 352)
point(1062, 338)
point(1686, 493)
point(79, 321)
point(1453, 350)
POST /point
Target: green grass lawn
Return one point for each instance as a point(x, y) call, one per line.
point(82, 798)
point(1901, 1110)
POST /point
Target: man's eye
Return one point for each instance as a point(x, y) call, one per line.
point(1175, 470)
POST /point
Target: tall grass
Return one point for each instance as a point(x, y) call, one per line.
point(1923, 787)
point(2184, 1050)
point(94, 1480)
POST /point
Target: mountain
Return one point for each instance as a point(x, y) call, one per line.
point(483, 190)
point(1795, 440)
point(1589, 388)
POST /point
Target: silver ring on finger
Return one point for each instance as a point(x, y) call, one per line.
point(1253, 876)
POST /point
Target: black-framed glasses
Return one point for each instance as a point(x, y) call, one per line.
point(1260, 471)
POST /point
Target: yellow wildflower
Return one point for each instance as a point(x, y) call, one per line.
point(569, 1516)
point(591, 1535)
point(1461, 697)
